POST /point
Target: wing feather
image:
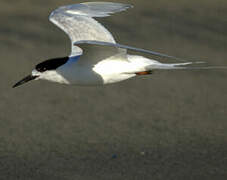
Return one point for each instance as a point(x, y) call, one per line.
point(77, 21)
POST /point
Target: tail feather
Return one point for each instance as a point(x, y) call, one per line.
point(182, 66)
point(150, 64)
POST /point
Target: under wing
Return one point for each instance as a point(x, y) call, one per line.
point(77, 21)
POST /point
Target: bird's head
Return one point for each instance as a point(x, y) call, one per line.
point(44, 70)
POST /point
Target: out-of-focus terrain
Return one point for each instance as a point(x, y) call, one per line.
point(170, 125)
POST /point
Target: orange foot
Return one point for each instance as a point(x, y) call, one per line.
point(143, 73)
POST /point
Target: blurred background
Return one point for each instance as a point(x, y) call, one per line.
point(170, 125)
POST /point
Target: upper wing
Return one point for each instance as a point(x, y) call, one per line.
point(116, 45)
point(76, 20)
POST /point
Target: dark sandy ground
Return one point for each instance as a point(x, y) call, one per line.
point(168, 126)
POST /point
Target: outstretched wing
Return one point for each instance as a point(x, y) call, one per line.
point(116, 45)
point(77, 21)
point(96, 51)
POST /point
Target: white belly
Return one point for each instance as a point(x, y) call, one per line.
point(105, 72)
point(113, 71)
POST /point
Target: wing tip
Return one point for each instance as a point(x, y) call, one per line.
point(103, 9)
point(91, 9)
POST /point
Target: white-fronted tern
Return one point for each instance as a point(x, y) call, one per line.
point(96, 58)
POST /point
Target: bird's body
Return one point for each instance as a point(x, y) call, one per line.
point(96, 58)
point(110, 70)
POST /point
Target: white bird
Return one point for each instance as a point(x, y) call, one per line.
point(96, 58)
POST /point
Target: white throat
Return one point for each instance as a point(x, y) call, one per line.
point(51, 75)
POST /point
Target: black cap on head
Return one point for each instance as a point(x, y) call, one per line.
point(51, 64)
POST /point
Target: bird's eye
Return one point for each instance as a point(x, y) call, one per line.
point(41, 69)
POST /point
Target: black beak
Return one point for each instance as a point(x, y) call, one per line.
point(26, 79)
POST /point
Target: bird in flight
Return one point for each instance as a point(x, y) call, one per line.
point(96, 58)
